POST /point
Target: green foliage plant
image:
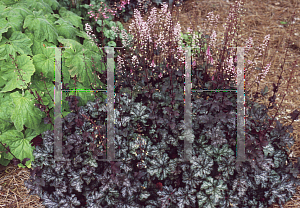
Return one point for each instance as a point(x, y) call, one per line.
point(27, 71)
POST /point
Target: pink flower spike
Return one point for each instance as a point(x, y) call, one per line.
point(153, 64)
point(208, 52)
point(209, 55)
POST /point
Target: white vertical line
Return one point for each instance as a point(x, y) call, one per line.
point(57, 109)
point(189, 136)
point(110, 104)
point(240, 105)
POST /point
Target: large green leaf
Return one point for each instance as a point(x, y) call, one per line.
point(43, 28)
point(76, 62)
point(5, 112)
point(24, 112)
point(11, 76)
point(3, 160)
point(18, 42)
point(66, 29)
point(42, 6)
point(15, 16)
point(19, 145)
point(38, 46)
point(71, 17)
point(3, 27)
point(44, 62)
point(53, 3)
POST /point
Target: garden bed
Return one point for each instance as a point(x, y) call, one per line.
point(260, 19)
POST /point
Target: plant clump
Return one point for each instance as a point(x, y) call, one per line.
point(149, 137)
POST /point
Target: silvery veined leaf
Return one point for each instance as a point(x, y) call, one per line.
point(138, 111)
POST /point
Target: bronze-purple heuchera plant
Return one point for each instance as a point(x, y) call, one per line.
point(149, 134)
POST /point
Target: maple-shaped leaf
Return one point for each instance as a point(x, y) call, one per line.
point(71, 17)
point(5, 113)
point(202, 165)
point(214, 188)
point(161, 166)
point(75, 61)
point(19, 144)
point(167, 195)
point(24, 112)
point(139, 112)
point(4, 27)
point(43, 62)
point(185, 196)
point(220, 153)
point(42, 27)
point(205, 201)
point(10, 74)
point(190, 179)
point(66, 29)
point(18, 42)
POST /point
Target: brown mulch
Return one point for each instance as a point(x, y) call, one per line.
point(259, 19)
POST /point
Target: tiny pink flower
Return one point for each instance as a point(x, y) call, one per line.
point(152, 64)
point(194, 63)
point(209, 55)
